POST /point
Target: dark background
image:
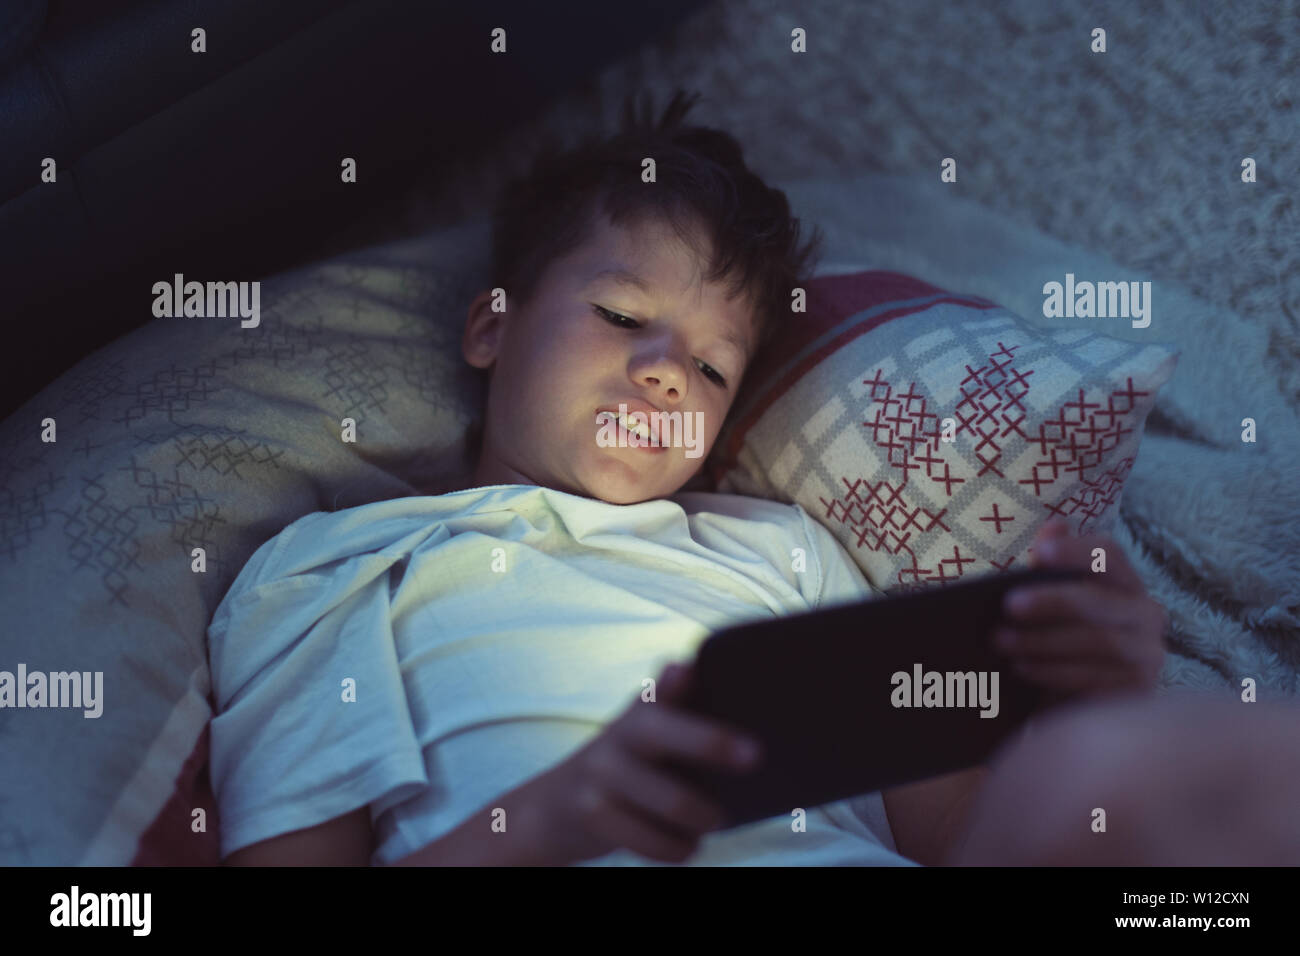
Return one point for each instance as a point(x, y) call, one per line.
point(226, 164)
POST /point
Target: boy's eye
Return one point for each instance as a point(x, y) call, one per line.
point(615, 318)
point(712, 373)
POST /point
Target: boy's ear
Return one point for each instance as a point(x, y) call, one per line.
point(483, 330)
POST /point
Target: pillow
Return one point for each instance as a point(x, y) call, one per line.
point(934, 433)
point(201, 433)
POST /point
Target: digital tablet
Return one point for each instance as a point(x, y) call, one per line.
point(852, 699)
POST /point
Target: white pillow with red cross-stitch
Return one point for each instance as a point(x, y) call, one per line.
point(934, 433)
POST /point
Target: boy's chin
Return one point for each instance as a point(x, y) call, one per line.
point(621, 491)
point(629, 497)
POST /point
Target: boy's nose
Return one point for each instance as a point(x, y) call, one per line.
point(664, 372)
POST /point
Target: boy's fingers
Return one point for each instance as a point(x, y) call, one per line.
point(1078, 643)
point(655, 733)
point(663, 797)
point(1068, 551)
point(673, 682)
point(623, 826)
point(1054, 528)
point(1069, 603)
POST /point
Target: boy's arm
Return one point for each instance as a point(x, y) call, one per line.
point(344, 841)
point(929, 816)
point(349, 840)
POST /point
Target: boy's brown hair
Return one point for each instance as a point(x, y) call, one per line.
point(700, 176)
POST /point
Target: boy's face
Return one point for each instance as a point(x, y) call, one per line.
point(560, 360)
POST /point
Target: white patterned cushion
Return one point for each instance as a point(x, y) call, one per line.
point(199, 433)
point(844, 413)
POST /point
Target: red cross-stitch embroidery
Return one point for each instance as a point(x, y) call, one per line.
point(905, 428)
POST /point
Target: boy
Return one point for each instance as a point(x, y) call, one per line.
point(445, 679)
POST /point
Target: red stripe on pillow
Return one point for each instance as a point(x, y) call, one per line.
point(841, 296)
point(170, 839)
point(831, 300)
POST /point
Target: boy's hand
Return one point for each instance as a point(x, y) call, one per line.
point(1101, 634)
point(614, 793)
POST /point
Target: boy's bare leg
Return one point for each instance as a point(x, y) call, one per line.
point(1188, 779)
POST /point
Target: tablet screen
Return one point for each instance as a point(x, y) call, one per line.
point(852, 699)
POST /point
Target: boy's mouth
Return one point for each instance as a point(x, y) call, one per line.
point(642, 434)
point(641, 429)
point(638, 440)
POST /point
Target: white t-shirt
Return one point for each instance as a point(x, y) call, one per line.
point(486, 635)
